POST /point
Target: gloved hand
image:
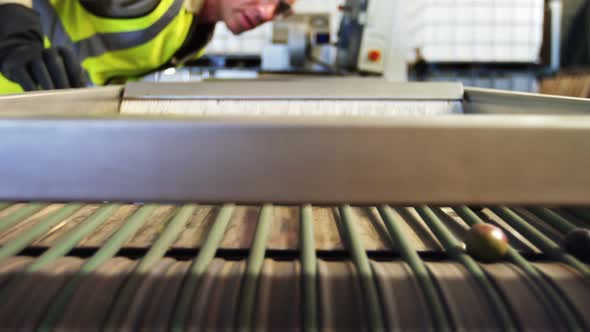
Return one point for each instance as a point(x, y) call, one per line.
point(24, 60)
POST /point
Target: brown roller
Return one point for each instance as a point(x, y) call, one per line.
point(10, 267)
point(415, 228)
point(159, 307)
point(285, 229)
point(531, 313)
point(89, 306)
point(215, 302)
point(152, 227)
point(340, 299)
point(542, 226)
point(232, 281)
point(371, 229)
point(241, 228)
point(149, 289)
point(571, 283)
point(197, 228)
point(29, 299)
point(465, 301)
point(404, 306)
point(278, 300)
point(26, 224)
point(206, 299)
point(11, 209)
point(100, 235)
point(54, 235)
point(379, 238)
point(326, 234)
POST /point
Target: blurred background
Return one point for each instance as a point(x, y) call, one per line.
point(518, 45)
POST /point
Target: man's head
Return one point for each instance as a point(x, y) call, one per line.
point(242, 15)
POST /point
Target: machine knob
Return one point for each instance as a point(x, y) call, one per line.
point(374, 55)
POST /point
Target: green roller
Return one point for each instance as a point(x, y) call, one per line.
point(452, 247)
point(309, 268)
point(69, 240)
point(253, 269)
point(546, 245)
point(361, 261)
point(106, 252)
point(564, 307)
point(157, 251)
point(20, 215)
point(199, 267)
point(64, 244)
point(411, 257)
point(555, 220)
point(19, 243)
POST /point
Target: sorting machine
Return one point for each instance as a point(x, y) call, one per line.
point(310, 204)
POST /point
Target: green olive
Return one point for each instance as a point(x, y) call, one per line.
point(486, 242)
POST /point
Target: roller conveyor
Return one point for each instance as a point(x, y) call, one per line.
point(193, 266)
point(372, 241)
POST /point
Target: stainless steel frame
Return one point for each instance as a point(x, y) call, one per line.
point(490, 101)
point(514, 159)
point(307, 89)
point(90, 101)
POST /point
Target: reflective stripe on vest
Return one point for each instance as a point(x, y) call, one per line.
point(101, 43)
point(116, 47)
point(8, 86)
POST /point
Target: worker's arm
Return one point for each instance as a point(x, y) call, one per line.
point(23, 58)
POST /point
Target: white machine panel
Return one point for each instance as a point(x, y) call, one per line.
point(376, 35)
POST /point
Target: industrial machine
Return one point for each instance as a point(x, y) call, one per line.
point(365, 42)
point(291, 203)
point(496, 44)
point(300, 42)
point(365, 39)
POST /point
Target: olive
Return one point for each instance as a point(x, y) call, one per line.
point(577, 243)
point(486, 242)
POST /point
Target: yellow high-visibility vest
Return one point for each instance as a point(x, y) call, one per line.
point(113, 48)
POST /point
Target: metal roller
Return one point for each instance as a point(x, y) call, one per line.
point(459, 291)
point(402, 297)
point(278, 298)
point(341, 301)
point(205, 306)
point(531, 314)
point(90, 304)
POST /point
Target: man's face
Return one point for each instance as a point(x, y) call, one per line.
point(242, 15)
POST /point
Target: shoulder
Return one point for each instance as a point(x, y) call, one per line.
point(120, 8)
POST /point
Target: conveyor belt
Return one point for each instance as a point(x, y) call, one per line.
point(76, 266)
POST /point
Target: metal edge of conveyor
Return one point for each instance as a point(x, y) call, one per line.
point(107, 100)
point(87, 101)
point(485, 159)
point(343, 89)
point(491, 101)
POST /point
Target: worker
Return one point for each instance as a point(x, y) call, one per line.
point(55, 44)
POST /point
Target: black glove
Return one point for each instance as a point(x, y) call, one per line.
point(24, 60)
